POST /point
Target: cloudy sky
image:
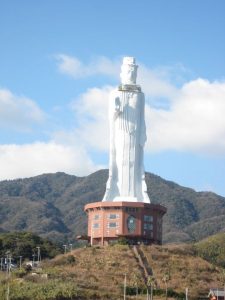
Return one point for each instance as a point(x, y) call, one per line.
point(59, 60)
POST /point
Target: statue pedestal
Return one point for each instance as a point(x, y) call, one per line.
point(138, 222)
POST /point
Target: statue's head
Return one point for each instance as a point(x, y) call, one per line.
point(128, 73)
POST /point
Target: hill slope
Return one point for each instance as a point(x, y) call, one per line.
point(213, 249)
point(98, 273)
point(52, 206)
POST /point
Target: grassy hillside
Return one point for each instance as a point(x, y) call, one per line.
point(52, 206)
point(184, 269)
point(98, 273)
point(213, 249)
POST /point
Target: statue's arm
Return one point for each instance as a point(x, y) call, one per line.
point(143, 136)
point(114, 106)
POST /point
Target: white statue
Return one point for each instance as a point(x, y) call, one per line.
point(126, 180)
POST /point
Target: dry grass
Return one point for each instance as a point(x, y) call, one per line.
point(184, 269)
point(99, 271)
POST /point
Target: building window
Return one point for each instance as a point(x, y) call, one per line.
point(112, 225)
point(96, 217)
point(132, 209)
point(148, 218)
point(95, 226)
point(148, 226)
point(131, 224)
point(113, 216)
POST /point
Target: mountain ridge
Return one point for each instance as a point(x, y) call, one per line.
point(52, 205)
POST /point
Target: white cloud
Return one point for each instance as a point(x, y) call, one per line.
point(19, 161)
point(18, 112)
point(91, 110)
point(194, 120)
point(73, 67)
point(186, 118)
point(155, 84)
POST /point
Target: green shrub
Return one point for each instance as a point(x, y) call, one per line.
point(122, 241)
point(71, 259)
point(51, 290)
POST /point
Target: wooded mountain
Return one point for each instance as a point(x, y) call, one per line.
point(51, 205)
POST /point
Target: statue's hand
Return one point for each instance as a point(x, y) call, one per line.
point(117, 107)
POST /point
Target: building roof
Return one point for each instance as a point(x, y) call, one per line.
point(216, 292)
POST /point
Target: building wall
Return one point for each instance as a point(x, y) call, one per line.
point(133, 221)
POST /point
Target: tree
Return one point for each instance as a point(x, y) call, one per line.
point(222, 279)
point(165, 279)
point(136, 282)
point(25, 243)
point(151, 282)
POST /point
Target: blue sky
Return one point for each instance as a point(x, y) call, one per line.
point(60, 59)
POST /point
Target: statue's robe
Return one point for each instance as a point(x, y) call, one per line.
point(127, 138)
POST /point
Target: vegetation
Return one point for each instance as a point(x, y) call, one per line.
point(53, 289)
point(51, 205)
point(176, 267)
point(25, 244)
point(212, 249)
point(99, 272)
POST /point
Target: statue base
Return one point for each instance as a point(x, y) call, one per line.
point(137, 222)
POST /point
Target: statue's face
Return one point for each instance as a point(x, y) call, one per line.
point(128, 74)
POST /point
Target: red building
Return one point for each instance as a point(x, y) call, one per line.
point(136, 221)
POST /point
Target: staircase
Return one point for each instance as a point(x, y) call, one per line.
point(143, 263)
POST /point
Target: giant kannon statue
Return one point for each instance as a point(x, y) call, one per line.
point(126, 180)
point(126, 211)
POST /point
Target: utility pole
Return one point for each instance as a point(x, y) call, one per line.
point(136, 291)
point(39, 254)
point(8, 264)
point(33, 258)
point(125, 287)
point(91, 234)
point(186, 293)
point(20, 262)
point(65, 247)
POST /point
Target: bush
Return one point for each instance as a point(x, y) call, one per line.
point(172, 293)
point(71, 259)
point(20, 273)
point(52, 290)
point(122, 241)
